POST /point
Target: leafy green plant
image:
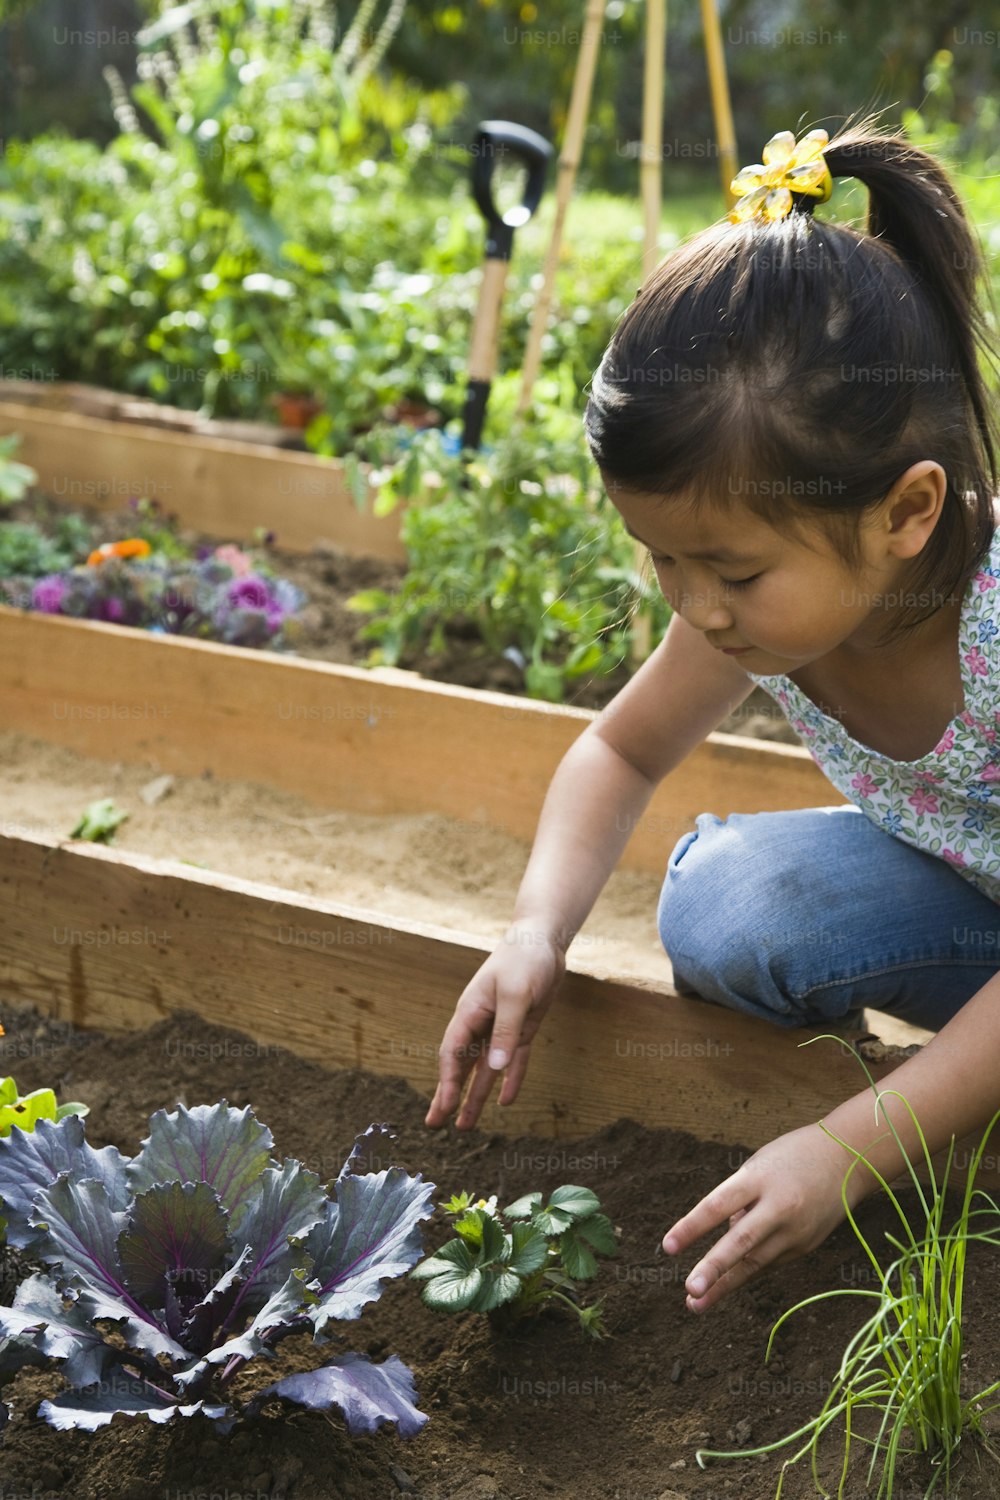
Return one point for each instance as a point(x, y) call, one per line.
point(904, 1364)
point(15, 479)
point(172, 1270)
point(220, 241)
point(28, 550)
point(518, 545)
point(25, 1110)
point(522, 1266)
point(99, 822)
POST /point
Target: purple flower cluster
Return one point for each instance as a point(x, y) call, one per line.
point(214, 597)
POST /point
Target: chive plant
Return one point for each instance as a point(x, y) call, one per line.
point(904, 1364)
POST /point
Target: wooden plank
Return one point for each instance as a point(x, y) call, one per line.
point(224, 489)
point(378, 742)
point(103, 939)
point(119, 942)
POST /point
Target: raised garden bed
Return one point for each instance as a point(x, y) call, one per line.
point(371, 743)
point(224, 486)
point(513, 1415)
point(119, 940)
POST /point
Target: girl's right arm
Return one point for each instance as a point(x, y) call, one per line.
point(599, 791)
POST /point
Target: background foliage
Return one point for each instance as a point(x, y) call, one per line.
point(249, 197)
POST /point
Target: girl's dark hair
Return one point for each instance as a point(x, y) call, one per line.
point(800, 367)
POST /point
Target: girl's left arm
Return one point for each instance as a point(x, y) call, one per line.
point(786, 1198)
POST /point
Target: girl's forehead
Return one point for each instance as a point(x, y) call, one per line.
point(668, 522)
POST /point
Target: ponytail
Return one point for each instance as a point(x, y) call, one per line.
point(914, 209)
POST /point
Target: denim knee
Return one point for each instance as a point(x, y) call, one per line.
point(727, 918)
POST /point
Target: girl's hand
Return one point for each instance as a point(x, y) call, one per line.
point(502, 1007)
point(781, 1203)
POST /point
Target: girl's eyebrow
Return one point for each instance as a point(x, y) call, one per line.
point(715, 554)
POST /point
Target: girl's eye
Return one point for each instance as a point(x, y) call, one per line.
point(740, 583)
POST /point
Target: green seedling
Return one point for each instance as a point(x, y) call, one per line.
point(904, 1364)
point(522, 1266)
point(15, 479)
point(24, 1110)
point(99, 822)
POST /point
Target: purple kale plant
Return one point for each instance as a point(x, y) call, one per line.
point(167, 1272)
point(213, 597)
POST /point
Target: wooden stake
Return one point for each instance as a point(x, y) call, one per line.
point(651, 182)
point(721, 108)
point(651, 159)
point(569, 161)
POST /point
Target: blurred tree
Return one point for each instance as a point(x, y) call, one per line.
point(790, 62)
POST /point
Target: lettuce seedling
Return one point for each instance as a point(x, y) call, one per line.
point(201, 1253)
point(25, 1110)
point(99, 822)
point(538, 1259)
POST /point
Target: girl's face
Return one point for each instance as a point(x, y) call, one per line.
point(771, 601)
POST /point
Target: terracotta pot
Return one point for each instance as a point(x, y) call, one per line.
point(296, 411)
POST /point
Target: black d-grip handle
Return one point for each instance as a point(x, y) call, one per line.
point(495, 140)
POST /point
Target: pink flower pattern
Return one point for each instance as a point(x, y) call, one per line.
point(947, 801)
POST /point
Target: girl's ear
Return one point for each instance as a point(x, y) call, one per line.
point(912, 508)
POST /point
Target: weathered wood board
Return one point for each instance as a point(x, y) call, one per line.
point(226, 489)
point(379, 742)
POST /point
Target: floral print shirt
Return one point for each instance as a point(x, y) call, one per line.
point(948, 801)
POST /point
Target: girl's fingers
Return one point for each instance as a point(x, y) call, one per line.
point(482, 1082)
point(738, 1273)
point(514, 1076)
point(752, 1242)
point(734, 1196)
point(455, 1057)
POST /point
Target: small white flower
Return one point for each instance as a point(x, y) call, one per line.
point(488, 1205)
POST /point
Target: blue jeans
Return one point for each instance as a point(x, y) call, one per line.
point(807, 917)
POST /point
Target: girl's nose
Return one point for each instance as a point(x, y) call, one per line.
point(704, 610)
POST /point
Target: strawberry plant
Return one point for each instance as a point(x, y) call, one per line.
point(522, 1266)
point(170, 1271)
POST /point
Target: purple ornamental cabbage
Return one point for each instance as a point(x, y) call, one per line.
point(203, 1253)
point(254, 609)
point(48, 593)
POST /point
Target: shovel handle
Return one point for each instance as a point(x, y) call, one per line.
point(496, 140)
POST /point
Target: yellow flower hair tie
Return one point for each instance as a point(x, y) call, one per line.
point(765, 190)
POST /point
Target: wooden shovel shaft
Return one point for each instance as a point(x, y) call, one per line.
point(484, 350)
point(486, 326)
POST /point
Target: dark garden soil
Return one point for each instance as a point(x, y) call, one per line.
point(514, 1415)
point(331, 632)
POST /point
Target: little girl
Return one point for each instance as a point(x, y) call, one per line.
point(792, 418)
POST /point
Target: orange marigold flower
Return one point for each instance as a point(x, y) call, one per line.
point(132, 546)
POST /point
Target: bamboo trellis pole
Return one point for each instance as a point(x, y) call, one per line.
point(569, 161)
point(721, 108)
point(651, 183)
point(651, 161)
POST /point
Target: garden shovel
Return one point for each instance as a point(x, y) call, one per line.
point(496, 140)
